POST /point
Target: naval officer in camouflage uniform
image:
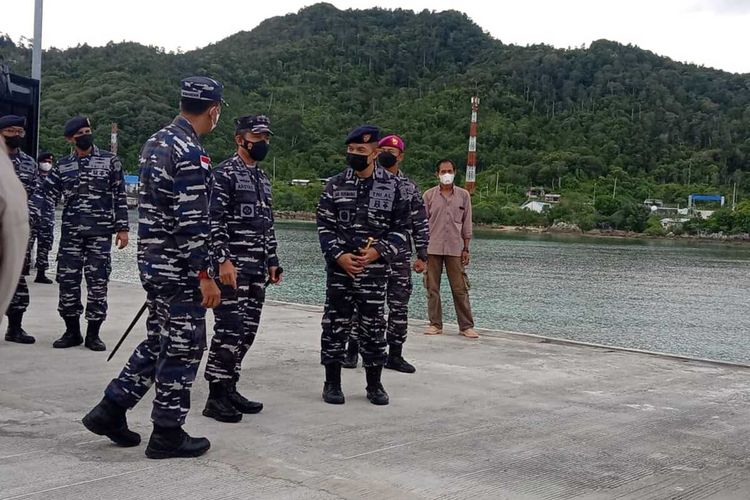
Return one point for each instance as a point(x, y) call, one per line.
point(45, 229)
point(91, 181)
point(390, 156)
point(364, 202)
point(173, 260)
point(243, 242)
point(12, 128)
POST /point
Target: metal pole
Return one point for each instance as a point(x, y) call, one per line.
point(36, 51)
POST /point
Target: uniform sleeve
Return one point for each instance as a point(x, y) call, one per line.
point(119, 196)
point(48, 194)
point(395, 240)
point(326, 217)
point(272, 245)
point(420, 227)
point(466, 227)
point(190, 197)
point(217, 209)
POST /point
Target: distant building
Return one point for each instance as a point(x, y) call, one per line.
point(535, 193)
point(536, 206)
point(552, 198)
point(299, 182)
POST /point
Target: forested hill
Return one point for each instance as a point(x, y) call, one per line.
point(559, 118)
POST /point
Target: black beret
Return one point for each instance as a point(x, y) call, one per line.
point(257, 124)
point(44, 155)
point(202, 88)
point(363, 134)
point(12, 121)
point(75, 124)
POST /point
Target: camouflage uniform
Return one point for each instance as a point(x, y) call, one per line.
point(241, 222)
point(27, 172)
point(94, 208)
point(351, 209)
point(172, 250)
point(399, 278)
point(44, 232)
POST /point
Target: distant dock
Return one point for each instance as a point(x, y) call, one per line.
point(505, 417)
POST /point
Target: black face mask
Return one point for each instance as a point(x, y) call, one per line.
point(84, 142)
point(14, 142)
point(256, 150)
point(357, 162)
point(387, 159)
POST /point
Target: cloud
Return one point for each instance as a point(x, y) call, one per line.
point(724, 7)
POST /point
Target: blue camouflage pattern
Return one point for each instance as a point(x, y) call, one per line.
point(172, 249)
point(242, 231)
point(28, 173)
point(43, 232)
point(94, 207)
point(352, 209)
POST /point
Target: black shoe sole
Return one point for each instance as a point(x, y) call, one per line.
point(334, 401)
point(377, 402)
point(44, 282)
point(20, 341)
point(250, 412)
point(218, 417)
point(162, 454)
point(400, 369)
point(67, 346)
point(89, 424)
point(96, 349)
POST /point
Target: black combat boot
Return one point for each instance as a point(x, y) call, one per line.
point(173, 442)
point(41, 277)
point(352, 354)
point(219, 406)
point(375, 391)
point(108, 419)
point(396, 361)
point(72, 336)
point(241, 403)
point(93, 341)
point(332, 393)
point(15, 332)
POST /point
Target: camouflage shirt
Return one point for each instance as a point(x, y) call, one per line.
point(351, 209)
point(419, 228)
point(241, 217)
point(27, 173)
point(173, 207)
point(93, 189)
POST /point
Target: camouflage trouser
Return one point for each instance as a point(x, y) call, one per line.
point(20, 301)
point(44, 236)
point(90, 255)
point(168, 358)
point(399, 292)
point(366, 294)
point(236, 323)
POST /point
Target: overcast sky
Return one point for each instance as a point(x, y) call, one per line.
point(714, 33)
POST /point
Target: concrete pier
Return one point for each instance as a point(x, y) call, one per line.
point(504, 417)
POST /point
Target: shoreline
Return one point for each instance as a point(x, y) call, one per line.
point(563, 230)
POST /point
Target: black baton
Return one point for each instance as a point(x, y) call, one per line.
point(127, 332)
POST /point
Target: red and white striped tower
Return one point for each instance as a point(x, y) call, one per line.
point(471, 162)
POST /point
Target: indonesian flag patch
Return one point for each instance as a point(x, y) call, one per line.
point(206, 162)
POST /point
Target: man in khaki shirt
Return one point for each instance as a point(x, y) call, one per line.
point(449, 213)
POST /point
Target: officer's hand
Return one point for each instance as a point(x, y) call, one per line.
point(211, 294)
point(228, 274)
point(121, 240)
point(273, 275)
point(465, 258)
point(419, 266)
point(350, 263)
point(368, 256)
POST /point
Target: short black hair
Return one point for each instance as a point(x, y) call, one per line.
point(195, 106)
point(444, 160)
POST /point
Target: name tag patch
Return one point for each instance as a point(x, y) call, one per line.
point(245, 186)
point(344, 194)
point(70, 167)
point(381, 196)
